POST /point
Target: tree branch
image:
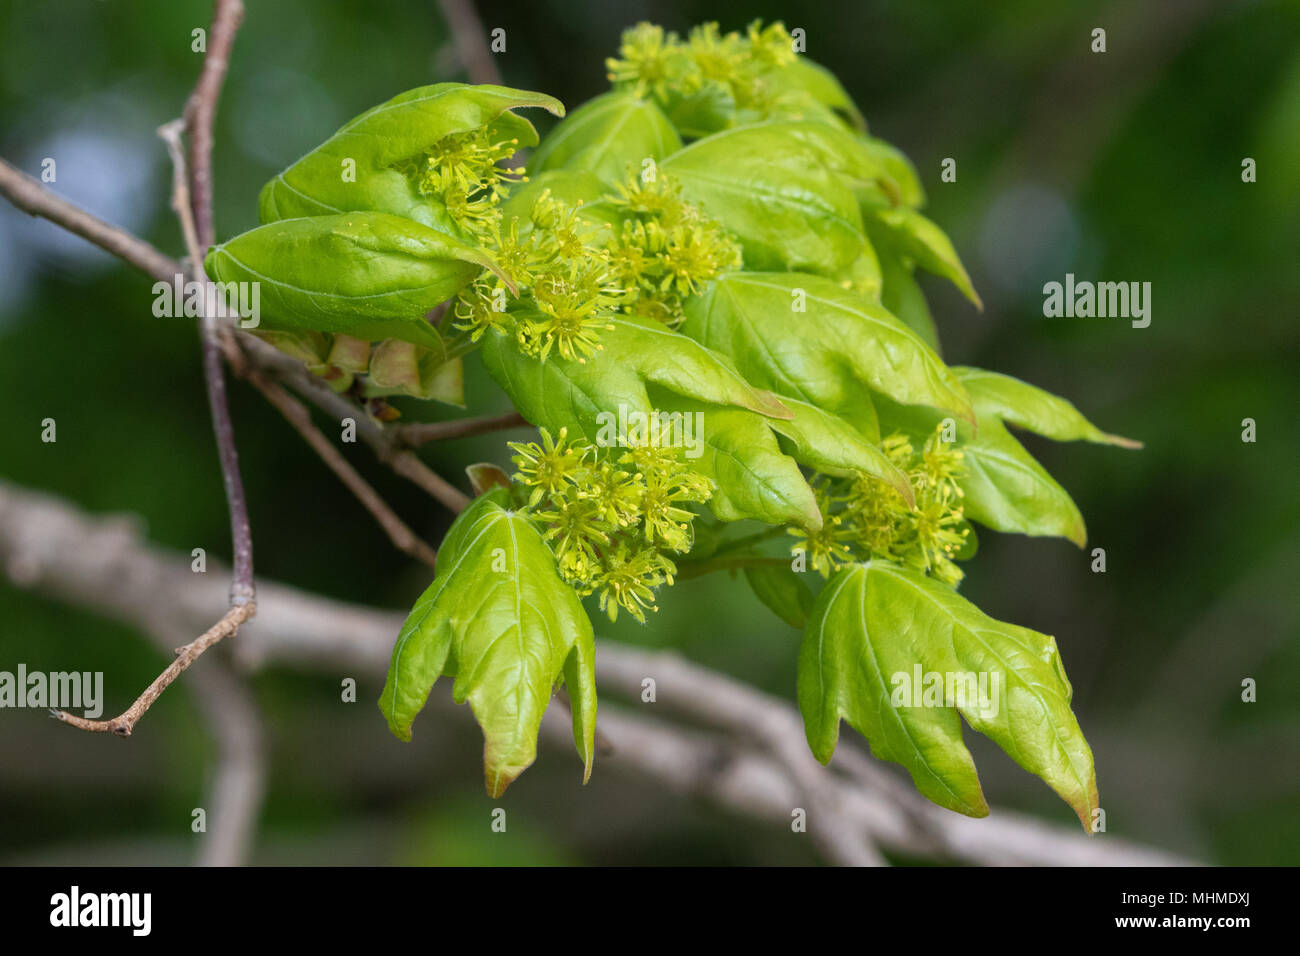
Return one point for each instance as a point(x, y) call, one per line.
point(196, 218)
point(403, 538)
point(201, 111)
point(382, 442)
point(30, 196)
point(234, 795)
point(418, 433)
point(34, 199)
point(124, 723)
point(99, 564)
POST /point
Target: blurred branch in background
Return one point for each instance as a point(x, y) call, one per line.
point(739, 753)
point(470, 40)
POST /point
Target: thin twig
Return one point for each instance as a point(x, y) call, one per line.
point(30, 196)
point(196, 225)
point(242, 588)
point(34, 199)
point(403, 538)
point(418, 433)
point(194, 191)
point(125, 722)
point(402, 460)
point(201, 111)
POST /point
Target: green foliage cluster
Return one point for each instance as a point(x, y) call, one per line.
point(718, 238)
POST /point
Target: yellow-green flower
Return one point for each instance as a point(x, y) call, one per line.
point(549, 467)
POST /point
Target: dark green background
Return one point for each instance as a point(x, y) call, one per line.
point(1122, 166)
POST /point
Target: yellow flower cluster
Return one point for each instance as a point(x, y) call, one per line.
point(611, 516)
point(667, 248)
point(567, 290)
point(708, 62)
point(866, 517)
point(464, 171)
point(574, 274)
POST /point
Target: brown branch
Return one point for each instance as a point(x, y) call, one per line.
point(242, 588)
point(382, 442)
point(34, 199)
point(124, 723)
point(470, 40)
point(418, 433)
point(192, 199)
point(195, 215)
point(30, 196)
point(403, 538)
point(201, 111)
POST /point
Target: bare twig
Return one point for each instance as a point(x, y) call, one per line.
point(125, 722)
point(471, 41)
point(418, 433)
point(201, 111)
point(403, 538)
point(242, 593)
point(31, 197)
point(28, 194)
point(242, 588)
point(192, 194)
point(402, 460)
point(99, 564)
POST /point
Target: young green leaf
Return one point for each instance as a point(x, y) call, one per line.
point(1008, 490)
point(562, 393)
point(899, 169)
point(499, 619)
point(902, 295)
point(579, 190)
point(606, 135)
point(738, 452)
point(364, 166)
point(752, 477)
point(1005, 488)
point(911, 234)
point(830, 445)
point(369, 274)
point(825, 354)
point(805, 76)
point(776, 192)
point(782, 591)
point(877, 630)
point(1032, 409)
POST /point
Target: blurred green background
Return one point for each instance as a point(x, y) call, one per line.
point(1119, 166)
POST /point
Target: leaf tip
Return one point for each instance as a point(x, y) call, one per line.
point(497, 779)
point(771, 406)
point(1121, 442)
